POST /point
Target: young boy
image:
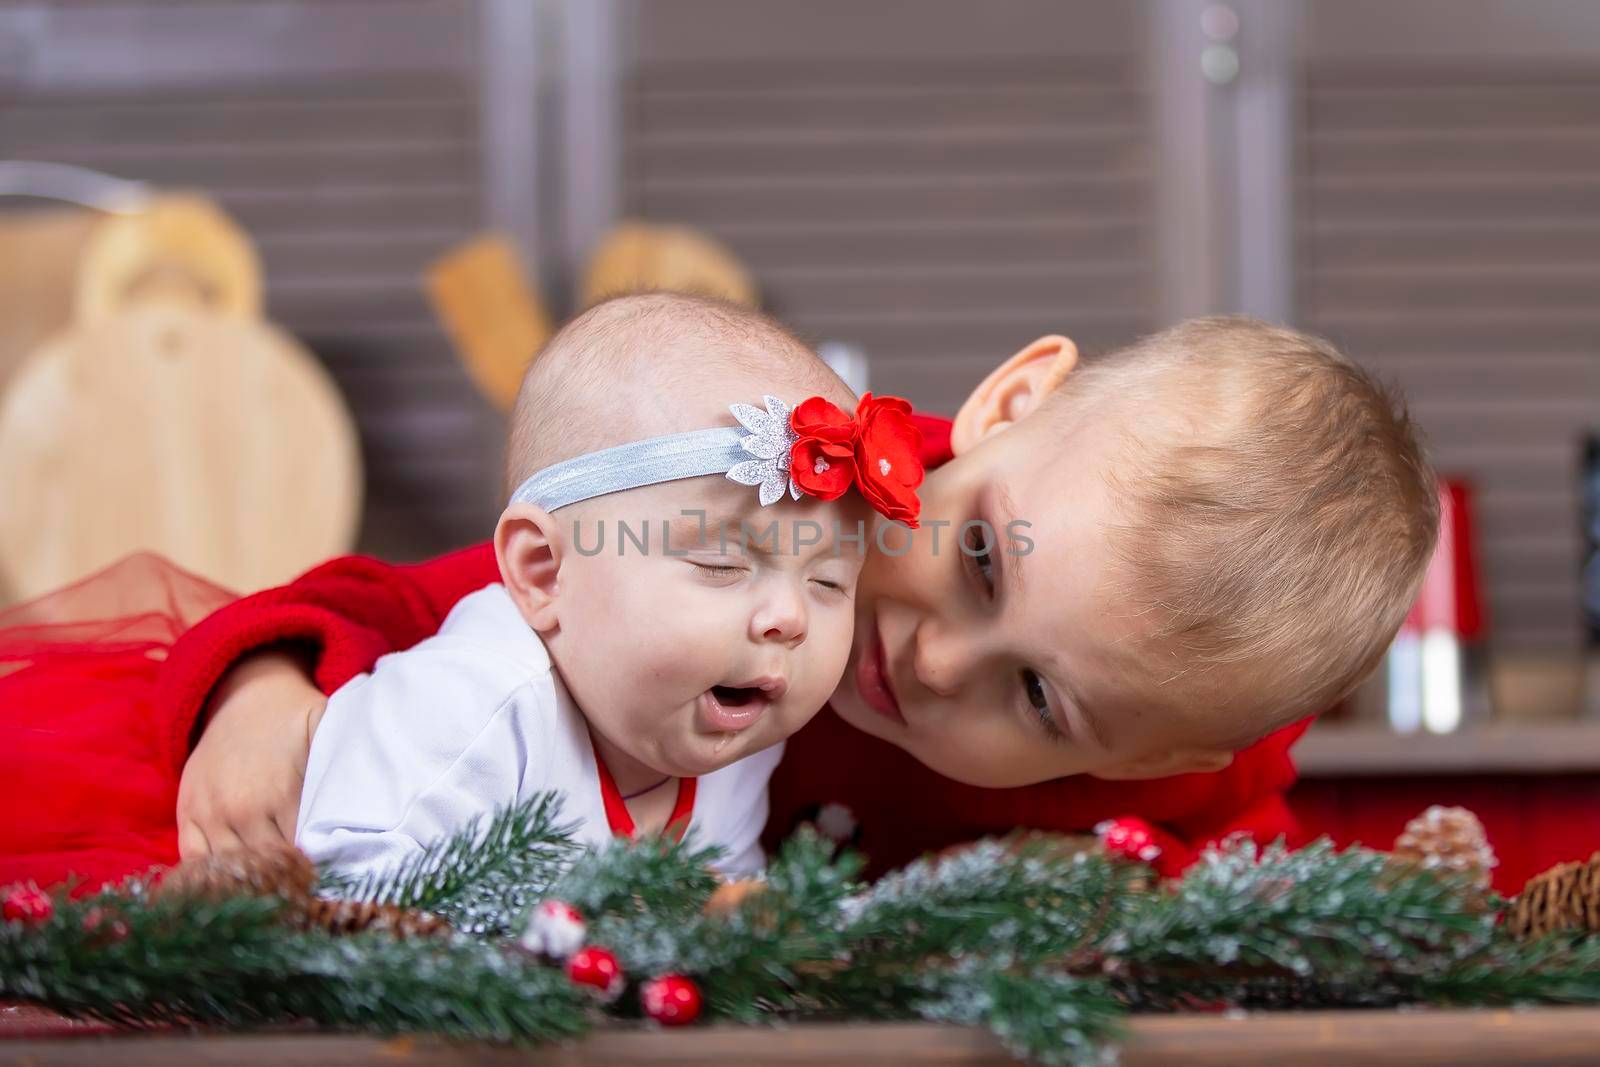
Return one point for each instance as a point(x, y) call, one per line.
point(1229, 522)
point(673, 602)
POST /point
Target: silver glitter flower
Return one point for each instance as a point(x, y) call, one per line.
point(770, 440)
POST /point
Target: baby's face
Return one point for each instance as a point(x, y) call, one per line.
point(1003, 670)
point(691, 659)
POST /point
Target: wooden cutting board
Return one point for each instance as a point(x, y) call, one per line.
point(213, 439)
point(65, 266)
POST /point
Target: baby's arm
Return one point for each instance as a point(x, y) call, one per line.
point(410, 754)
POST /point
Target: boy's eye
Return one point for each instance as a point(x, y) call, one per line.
point(1039, 701)
point(979, 556)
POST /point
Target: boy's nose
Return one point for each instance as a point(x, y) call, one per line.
point(942, 659)
point(781, 618)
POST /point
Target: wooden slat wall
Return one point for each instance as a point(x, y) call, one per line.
point(1449, 235)
point(938, 182)
point(351, 176)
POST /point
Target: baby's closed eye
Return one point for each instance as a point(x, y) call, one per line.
point(720, 571)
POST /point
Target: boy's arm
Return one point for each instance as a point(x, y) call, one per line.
point(341, 616)
point(1171, 853)
point(254, 673)
point(259, 727)
point(1248, 797)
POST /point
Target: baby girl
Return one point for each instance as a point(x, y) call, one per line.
point(674, 601)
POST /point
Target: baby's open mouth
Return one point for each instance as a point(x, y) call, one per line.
point(730, 696)
point(729, 709)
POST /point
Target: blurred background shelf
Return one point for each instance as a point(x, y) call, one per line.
point(1513, 748)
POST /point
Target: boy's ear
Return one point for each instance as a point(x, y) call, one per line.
point(1166, 764)
point(1012, 390)
point(529, 554)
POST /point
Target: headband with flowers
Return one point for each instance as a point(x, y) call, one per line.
point(815, 450)
point(823, 452)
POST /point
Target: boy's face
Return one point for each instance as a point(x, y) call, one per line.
point(1003, 669)
point(688, 660)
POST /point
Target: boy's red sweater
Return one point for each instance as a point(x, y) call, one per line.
point(352, 610)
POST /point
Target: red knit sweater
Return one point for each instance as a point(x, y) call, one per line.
point(352, 610)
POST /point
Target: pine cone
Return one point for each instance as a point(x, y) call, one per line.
point(1566, 897)
point(1449, 840)
point(341, 917)
point(283, 872)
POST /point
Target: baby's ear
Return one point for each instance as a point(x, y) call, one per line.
point(1013, 390)
point(1166, 764)
point(529, 555)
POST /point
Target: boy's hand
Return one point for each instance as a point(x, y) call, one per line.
point(241, 785)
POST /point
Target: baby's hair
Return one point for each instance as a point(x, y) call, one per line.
point(1279, 510)
point(623, 369)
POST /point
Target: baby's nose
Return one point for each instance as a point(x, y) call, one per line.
point(781, 618)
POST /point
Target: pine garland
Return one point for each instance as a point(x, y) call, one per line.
point(1251, 926)
point(137, 959)
point(1045, 1015)
point(757, 951)
point(1047, 949)
point(1026, 902)
point(656, 878)
point(480, 882)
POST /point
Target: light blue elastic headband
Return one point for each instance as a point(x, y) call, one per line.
point(766, 435)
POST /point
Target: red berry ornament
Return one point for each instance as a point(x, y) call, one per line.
point(671, 1000)
point(27, 904)
point(1129, 837)
point(598, 969)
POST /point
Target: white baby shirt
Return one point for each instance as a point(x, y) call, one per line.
point(473, 719)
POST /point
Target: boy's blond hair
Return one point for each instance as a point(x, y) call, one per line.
point(1280, 512)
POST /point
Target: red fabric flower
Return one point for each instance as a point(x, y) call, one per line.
point(822, 462)
point(821, 468)
point(876, 450)
point(815, 417)
point(888, 466)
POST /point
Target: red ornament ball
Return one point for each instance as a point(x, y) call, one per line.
point(1129, 837)
point(598, 969)
point(671, 1000)
point(27, 904)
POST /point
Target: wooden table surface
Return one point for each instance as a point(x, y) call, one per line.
point(1526, 1038)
